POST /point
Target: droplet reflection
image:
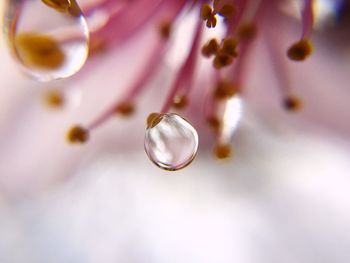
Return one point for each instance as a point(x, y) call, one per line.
point(48, 38)
point(170, 141)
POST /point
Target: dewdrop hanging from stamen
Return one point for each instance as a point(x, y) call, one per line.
point(171, 142)
point(51, 45)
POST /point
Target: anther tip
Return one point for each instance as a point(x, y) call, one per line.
point(53, 99)
point(125, 109)
point(77, 135)
point(292, 104)
point(300, 50)
point(165, 29)
point(153, 119)
point(58, 5)
point(222, 151)
point(206, 11)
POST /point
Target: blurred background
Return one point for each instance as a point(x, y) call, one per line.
point(282, 197)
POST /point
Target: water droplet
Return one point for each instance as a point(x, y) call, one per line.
point(49, 38)
point(170, 141)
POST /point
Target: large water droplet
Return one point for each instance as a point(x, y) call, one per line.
point(49, 38)
point(170, 141)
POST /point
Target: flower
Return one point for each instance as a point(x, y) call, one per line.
point(237, 25)
point(283, 197)
point(242, 22)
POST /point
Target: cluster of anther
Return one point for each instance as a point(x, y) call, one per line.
point(208, 13)
point(223, 53)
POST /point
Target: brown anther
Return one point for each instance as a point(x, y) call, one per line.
point(210, 48)
point(180, 102)
point(214, 123)
point(225, 89)
point(40, 51)
point(300, 50)
point(125, 108)
point(227, 11)
point(153, 119)
point(247, 31)
point(74, 9)
point(222, 60)
point(229, 47)
point(292, 104)
point(165, 29)
point(222, 151)
point(77, 135)
point(206, 12)
point(53, 99)
point(58, 5)
point(212, 21)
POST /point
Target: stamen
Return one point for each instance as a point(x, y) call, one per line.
point(224, 54)
point(165, 29)
point(77, 135)
point(207, 14)
point(125, 109)
point(58, 5)
point(222, 60)
point(136, 87)
point(153, 119)
point(210, 48)
point(225, 89)
point(183, 81)
point(222, 151)
point(292, 103)
point(308, 19)
point(229, 47)
point(300, 50)
point(150, 9)
point(53, 99)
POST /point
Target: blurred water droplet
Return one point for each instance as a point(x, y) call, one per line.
point(49, 38)
point(171, 142)
point(232, 111)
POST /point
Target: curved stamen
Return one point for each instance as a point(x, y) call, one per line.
point(307, 19)
point(136, 87)
point(184, 79)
